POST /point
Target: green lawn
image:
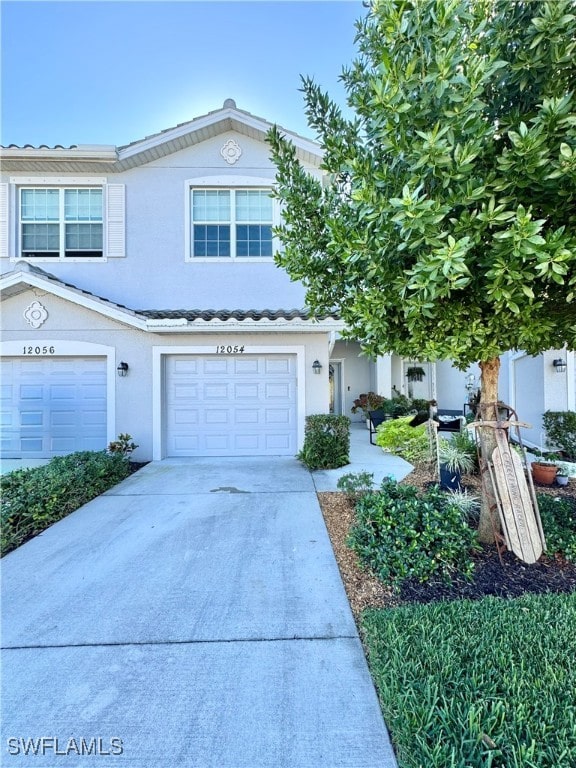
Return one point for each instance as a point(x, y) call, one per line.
point(488, 683)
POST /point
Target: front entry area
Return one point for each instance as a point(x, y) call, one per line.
point(51, 406)
point(230, 405)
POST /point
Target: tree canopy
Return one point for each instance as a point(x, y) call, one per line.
point(446, 224)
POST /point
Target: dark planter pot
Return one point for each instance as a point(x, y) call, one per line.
point(450, 480)
point(545, 474)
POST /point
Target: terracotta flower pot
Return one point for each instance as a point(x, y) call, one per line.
point(545, 474)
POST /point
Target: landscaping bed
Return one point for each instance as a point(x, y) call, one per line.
point(33, 499)
point(476, 672)
point(511, 578)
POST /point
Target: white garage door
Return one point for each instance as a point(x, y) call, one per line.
point(230, 406)
point(53, 406)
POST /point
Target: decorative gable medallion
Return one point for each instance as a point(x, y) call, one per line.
point(35, 314)
point(231, 152)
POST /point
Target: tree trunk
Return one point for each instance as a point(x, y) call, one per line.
point(488, 411)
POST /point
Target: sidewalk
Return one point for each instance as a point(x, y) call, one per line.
point(364, 457)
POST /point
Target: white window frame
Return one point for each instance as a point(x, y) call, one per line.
point(232, 184)
point(61, 222)
point(113, 216)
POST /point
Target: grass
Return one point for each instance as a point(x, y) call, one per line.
point(478, 684)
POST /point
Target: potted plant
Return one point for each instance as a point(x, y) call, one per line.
point(544, 471)
point(562, 477)
point(454, 462)
point(366, 403)
point(415, 373)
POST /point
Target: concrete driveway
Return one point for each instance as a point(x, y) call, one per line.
point(194, 615)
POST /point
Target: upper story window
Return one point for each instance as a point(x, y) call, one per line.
point(61, 223)
point(62, 218)
point(231, 223)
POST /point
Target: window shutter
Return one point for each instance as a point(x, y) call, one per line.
point(115, 221)
point(4, 221)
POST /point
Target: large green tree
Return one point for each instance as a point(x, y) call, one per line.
point(447, 226)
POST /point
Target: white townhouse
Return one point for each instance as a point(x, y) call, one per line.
point(140, 295)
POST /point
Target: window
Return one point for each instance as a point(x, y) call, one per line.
point(231, 223)
point(61, 223)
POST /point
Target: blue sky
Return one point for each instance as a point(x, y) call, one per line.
point(112, 72)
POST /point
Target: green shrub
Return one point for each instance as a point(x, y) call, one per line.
point(33, 499)
point(398, 437)
point(477, 684)
point(560, 429)
point(356, 484)
point(326, 442)
point(401, 535)
point(559, 523)
point(122, 445)
point(398, 406)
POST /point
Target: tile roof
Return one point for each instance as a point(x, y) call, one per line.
point(39, 146)
point(190, 315)
point(224, 314)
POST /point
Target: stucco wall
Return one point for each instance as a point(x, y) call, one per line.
point(154, 273)
point(132, 398)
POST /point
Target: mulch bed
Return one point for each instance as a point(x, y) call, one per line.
point(507, 578)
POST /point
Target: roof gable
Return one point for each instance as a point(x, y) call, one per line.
point(158, 145)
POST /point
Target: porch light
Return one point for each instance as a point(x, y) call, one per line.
point(559, 365)
point(316, 366)
point(122, 369)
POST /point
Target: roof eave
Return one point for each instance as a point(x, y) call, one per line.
point(264, 325)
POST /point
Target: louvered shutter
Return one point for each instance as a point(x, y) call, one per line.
point(4, 221)
point(115, 221)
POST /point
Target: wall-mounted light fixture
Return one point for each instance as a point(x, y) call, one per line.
point(122, 369)
point(317, 366)
point(559, 365)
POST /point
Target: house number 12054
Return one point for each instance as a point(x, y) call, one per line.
point(229, 349)
point(38, 350)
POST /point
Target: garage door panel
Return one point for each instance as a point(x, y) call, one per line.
point(31, 419)
point(277, 416)
point(186, 392)
point(277, 442)
point(186, 416)
point(246, 391)
point(54, 406)
point(215, 391)
point(30, 392)
point(247, 416)
point(281, 366)
point(277, 391)
point(219, 416)
point(217, 367)
point(195, 383)
point(217, 442)
point(246, 367)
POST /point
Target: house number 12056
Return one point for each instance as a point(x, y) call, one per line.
point(229, 349)
point(38, 350)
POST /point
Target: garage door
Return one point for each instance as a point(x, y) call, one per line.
point(53, 406)
point(230, 406)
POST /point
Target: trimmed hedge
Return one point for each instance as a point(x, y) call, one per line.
point(326, 441)
point(33, 499)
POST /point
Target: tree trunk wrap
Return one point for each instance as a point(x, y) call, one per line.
point(488, 407)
